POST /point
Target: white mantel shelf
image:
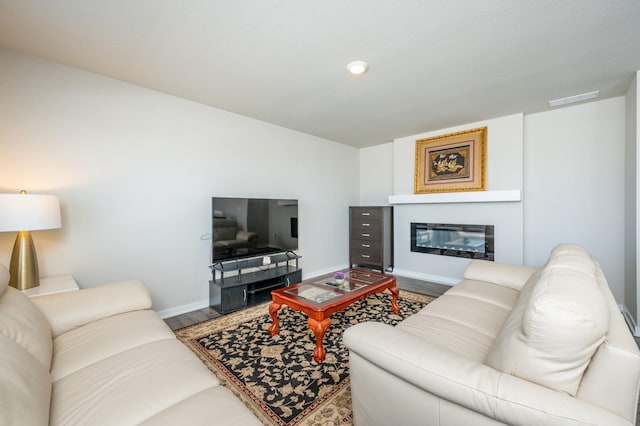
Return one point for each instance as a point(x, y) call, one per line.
point(458, 197)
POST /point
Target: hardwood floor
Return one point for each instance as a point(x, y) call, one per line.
point(410, 284)
point(191, 318)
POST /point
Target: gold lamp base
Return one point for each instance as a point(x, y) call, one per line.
point(23, 269)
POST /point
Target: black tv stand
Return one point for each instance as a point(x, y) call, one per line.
point(233, 292)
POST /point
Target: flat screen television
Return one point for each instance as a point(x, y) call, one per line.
point(246, 227)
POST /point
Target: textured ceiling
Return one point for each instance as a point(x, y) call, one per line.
point(433, 63)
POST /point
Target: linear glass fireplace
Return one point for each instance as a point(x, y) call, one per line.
point(469, 241)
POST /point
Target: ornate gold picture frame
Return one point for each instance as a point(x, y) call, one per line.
point(456, 162)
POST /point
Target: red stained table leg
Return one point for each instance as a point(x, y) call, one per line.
point(394, 305)
point(273, 311)
point(319, 328)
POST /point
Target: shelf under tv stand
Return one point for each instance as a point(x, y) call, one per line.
point(228, 293)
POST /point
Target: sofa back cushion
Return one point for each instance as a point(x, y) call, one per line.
point(558, 322)
point(22, 322)
point(25, 386)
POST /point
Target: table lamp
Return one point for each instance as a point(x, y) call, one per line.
point(25, 213)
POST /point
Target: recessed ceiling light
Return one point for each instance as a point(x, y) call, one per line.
point(574, 98)
point(357, 67)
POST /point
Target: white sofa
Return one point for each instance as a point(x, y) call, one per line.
point(507, 345)
point(101, 356)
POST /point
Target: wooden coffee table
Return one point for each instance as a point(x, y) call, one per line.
point(322, 296)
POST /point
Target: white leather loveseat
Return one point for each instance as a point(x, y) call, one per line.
point(507, 345)
point(101, 356)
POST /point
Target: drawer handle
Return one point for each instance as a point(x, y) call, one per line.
point(366, 235)
point(244, 294)
point(366, 256)
point(366, 245)
point(365, 214)
point(366, 224)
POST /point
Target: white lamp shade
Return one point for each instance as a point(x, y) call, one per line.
point(29, 212)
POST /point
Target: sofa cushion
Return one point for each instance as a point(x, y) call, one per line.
point(512, 276)
point(466, 319)
point(22, 321)
point(198, 409)
point(557, 323)
point(131, 386)
point(25, 386)
point(72, 309)
point(101, 339)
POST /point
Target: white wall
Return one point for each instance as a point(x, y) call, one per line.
point(574, 184)
point(135, 171)
point(504, 172)
point(376, 174)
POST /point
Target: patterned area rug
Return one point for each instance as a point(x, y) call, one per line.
point(276, 376)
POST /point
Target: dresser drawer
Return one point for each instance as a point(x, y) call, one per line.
point(366, 235)
point(365, 213)
point(364, 257)
point(366, 224)
point(366, 245)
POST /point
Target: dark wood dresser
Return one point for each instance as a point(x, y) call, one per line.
point(371, 237)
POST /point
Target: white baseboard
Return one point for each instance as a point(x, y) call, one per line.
point(631, 322)
point(438, 279)
point(183, 309)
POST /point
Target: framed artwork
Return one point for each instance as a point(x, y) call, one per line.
point(456, 162)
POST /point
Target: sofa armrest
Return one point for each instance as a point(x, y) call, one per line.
point(467, 383)
point(72, 309)
point(512, 276)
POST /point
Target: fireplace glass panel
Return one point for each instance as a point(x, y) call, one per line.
point(468, 241)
